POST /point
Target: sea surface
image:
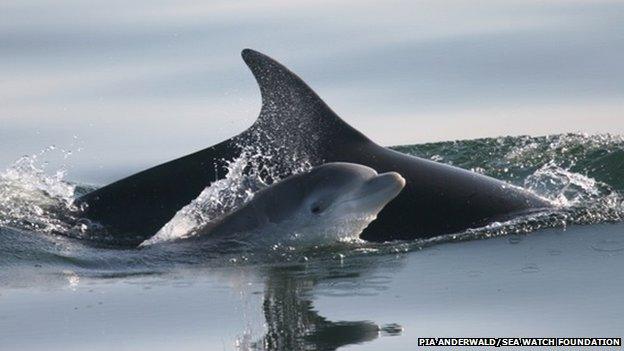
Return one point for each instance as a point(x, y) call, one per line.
point(556, 273)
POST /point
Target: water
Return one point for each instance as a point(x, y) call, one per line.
point(60, 290)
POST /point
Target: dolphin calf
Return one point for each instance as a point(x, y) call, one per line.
point(296, 126)
point(330, 202)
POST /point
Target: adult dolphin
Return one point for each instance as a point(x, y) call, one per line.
point(295, 125)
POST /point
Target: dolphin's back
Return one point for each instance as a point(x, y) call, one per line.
point(295, 125)
point(439, 198)
point(136, 207)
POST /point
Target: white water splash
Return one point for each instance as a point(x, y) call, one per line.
point(564, 187)
point(30, 198)
point(246, 174)
point(564, 148)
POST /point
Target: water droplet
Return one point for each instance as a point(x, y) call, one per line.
point(554, 252)
point(608, 246)
point(530, 268)
point(474, 274)
point(392, 329)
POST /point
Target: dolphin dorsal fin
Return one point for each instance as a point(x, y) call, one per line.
point(294, 126)
point(292, 113)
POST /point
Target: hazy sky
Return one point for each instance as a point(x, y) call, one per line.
point(134, 83)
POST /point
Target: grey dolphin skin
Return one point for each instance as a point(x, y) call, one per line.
point(338, 197)
point(295, 125)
